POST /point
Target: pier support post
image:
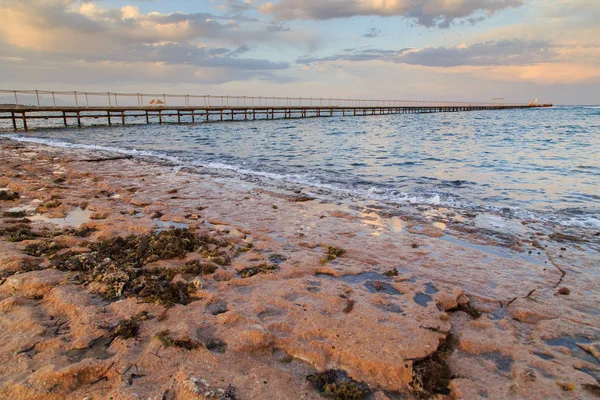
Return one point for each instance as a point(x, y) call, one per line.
point(123, 117)
point(65, 118)
point(78, 119)
point(108, 116)
point(193, 119)
point(147, 118)
point(160, 116)
point(24, 121)
point(178, 117)
point(12, 114)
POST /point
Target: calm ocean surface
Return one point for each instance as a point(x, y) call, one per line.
point(539, 163)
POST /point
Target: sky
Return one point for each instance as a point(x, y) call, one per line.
point(454, 50)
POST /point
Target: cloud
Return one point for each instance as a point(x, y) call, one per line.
point(428, 13)
point(62, 31)
point(492, 53)
point(363, 54)
point(503, 52)
point(372, 33)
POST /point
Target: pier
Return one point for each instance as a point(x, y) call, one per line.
point(79, 109)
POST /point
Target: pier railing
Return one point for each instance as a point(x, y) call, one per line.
point(82, 100)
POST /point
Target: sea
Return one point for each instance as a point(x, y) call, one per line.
point(538, 164)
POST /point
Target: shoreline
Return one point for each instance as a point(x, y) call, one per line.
point(402, 303)
point(573, 216)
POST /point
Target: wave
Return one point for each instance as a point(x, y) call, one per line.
point(386, 195)
point(67, 145)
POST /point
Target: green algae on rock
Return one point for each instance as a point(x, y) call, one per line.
point(338, 385)
point(262, 268)
point(332, 254)
point(8, 195)
point(118, 265)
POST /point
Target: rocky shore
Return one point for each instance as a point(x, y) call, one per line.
point(123, 278)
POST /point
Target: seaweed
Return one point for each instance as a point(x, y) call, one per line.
point(391, 273)
point(42, 248)
point(332, 254)
point(14, 214)
point(164, 337)
point(135, 251)
point(229, 393)
point(469, 309)
point(277, 258)
point(118, 264)
point(216, 345)
point(129, 328)
point(338, 385)
point(301, 198)
point(53, 203)
point(8, 195)
point(349, 306)
point(19, 232)
point(594, 389)
point(262, 268)
point(432, 375)
point(22, 231)
point(198, 268)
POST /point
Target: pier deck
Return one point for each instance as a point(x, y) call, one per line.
point(73, 108)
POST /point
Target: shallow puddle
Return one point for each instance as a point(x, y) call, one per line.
point(390, 307)
point(393, 224)
point(97, 349)
point(494, 250)
point(373, 282)
point(358, 278)
point(497, 223)
point(543, 356)
point(165, 225)
point(572, 344)
point(381, 287)
point(430, 289)
point(422, 299)
point(74, 219)
point(499, 313)
point(503, 363)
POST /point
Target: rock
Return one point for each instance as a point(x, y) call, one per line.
point(33, 284)
point(450, 299)
point(565, 291)
point(98, 215)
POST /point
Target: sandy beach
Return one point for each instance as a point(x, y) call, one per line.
point(124, 278)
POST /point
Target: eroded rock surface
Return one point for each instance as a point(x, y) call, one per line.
point(127, 279)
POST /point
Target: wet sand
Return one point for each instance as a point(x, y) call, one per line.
point(219, 289)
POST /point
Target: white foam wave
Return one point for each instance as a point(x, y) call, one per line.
point(376, 194)
point(583, 222)
point(67, 145)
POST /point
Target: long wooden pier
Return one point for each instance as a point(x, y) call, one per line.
point(79, 108)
